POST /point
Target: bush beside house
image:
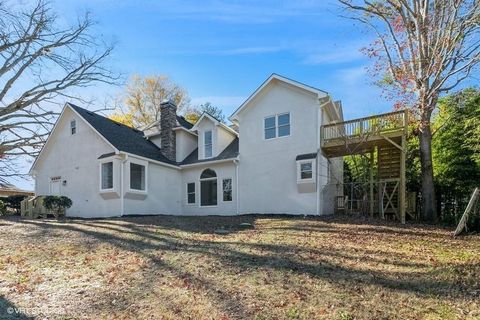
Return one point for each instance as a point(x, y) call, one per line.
point(57, 204)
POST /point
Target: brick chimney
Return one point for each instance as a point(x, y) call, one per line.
point(168, 121)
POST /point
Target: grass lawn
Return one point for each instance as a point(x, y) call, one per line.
point(284, 268)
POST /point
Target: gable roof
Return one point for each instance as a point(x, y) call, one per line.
point(230, 152)
point(214, 120)
point(276, 77)
point(122, 137)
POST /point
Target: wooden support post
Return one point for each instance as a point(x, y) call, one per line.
point(402, 191)
point(371, 183)
point(381, 192)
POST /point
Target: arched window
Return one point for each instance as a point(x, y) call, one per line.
point(208, 188)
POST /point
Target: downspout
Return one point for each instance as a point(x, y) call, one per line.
point(319, 149)
point(122, 200)
point(236, 187)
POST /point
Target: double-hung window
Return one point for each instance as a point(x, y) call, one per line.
point(107, 175)
point(284, 125)
point(306, 171)
point(227, 189)
point(208, 144)
point(277, 126)
point(191, 193)
point(270, 127)
point(73, 127)
point(137, 177)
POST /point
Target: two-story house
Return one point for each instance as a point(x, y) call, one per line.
point(272, 164)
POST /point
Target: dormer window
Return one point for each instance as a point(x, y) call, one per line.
point(208, 144)
point(73, 127)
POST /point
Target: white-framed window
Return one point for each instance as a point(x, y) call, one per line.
point(208, 144)
point(106, 182)
point(276, 126)
point(283, 124)
point(137, 176)
point(306, 171)
point(270, 124)
point(73, 127)
point(227, 190)
point(208, 188)
point(191, 193)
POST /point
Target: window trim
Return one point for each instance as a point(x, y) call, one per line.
point(205, 144)
point(101, 176)
point(141, 163)
point(73, 127)
point(277, 126)
point(289, 126)
point(299, 171)
point(200, 188)
point(231, 189)
point(188, 193)
point(274, 127)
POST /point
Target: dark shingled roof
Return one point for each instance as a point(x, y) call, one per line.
point(106, 155)
point(230, 152)
point(306, 156)
point(122, 137)
point(184, 122)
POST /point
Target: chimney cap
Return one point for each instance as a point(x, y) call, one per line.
point(168, 103)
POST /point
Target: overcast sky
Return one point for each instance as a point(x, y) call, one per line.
point(221, 51)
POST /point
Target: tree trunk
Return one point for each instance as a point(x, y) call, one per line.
point(429, 205)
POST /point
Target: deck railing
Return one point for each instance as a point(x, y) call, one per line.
point(373, 125)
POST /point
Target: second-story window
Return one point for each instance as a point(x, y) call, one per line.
point(270, 127)
point(277, 126)
point(73, 127)
point(208, 144)
point(284, 124)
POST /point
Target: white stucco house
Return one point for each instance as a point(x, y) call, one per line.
point(270, 164)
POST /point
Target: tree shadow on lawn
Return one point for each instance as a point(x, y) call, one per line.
point(424, 281)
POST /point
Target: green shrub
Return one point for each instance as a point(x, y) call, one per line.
point(3, 208)
point(57, 204)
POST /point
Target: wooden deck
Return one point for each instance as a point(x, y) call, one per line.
point(386, 134)
point(364, 134)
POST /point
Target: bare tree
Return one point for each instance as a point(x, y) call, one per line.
point(423, 49)
point(40, 62)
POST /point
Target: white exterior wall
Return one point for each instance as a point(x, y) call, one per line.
point(267, 170)
point(162, 194)
point(75, 159)
point(185, 144)
point(223, 170)
point(224, 138)
point(265, 180)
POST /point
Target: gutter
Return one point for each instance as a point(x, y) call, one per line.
point(122, 199)
point(319, 149)
point(236, 187)
point(196, 164)
point(150, 160)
